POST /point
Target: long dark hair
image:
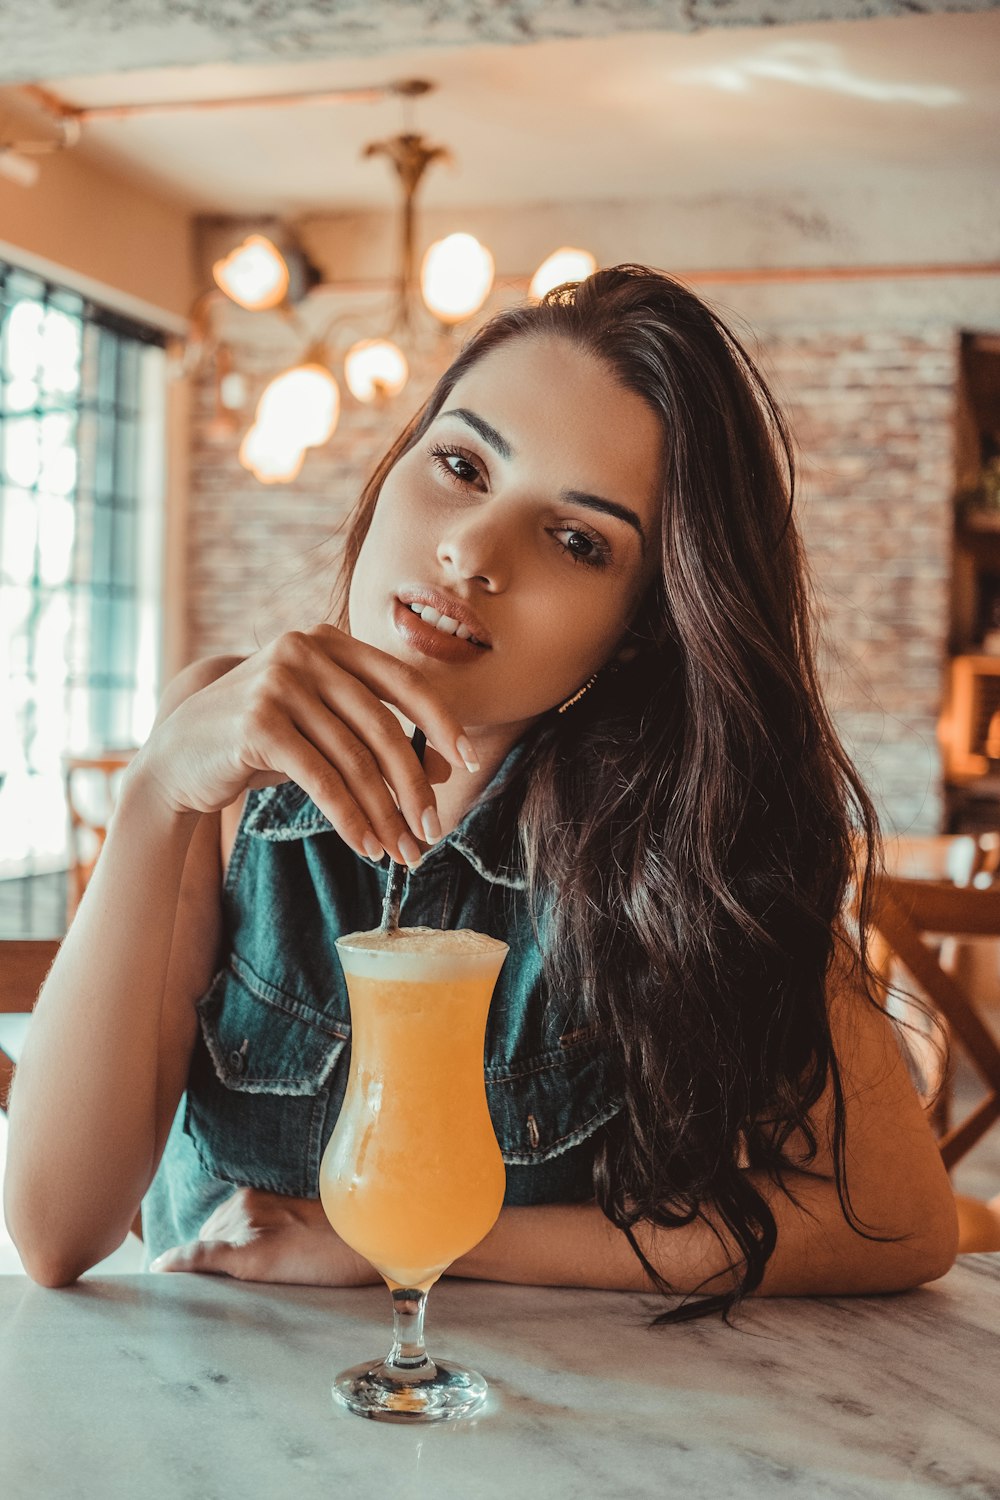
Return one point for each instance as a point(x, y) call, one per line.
point(695, 812)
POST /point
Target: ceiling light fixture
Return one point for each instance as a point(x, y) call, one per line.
point(254, 275)
point(300, 407)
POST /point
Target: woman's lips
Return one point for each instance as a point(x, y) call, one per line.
point(430, 641)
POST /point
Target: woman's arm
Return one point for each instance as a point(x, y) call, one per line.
point(895, 1176)
point(108, 1048)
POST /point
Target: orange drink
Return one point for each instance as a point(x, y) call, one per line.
point(412, 1177)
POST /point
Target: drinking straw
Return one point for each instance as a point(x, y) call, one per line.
point(394, 888)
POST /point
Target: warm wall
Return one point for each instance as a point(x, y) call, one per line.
point(107, 236)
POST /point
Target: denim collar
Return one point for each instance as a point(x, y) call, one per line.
point(283, 813)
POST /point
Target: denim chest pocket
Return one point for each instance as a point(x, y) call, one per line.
point(546, 1111)
point(268, 1075)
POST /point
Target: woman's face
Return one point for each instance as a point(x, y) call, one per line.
point(496, 508)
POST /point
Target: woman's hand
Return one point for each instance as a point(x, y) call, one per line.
point(258, 1236)
point(311, 708)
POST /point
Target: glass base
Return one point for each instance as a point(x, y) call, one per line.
point(392, 1393)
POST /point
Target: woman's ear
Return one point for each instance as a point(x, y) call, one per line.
point(626, 654)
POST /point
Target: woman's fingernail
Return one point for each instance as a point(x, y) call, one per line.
point(373, 848)
point(431, 825)
point(160, 1261)
point(466, 751)
point(410, 850)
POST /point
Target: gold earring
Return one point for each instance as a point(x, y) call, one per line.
point(577, 696)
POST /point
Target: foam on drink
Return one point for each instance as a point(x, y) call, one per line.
point(419, 953)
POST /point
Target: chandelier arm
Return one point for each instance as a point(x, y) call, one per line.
point(399, 317)
point(344, 317)
point(402, 319)
point(290, 316)
point(410, 155)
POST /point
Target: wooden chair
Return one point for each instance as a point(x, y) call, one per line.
point(24, 964)
point(88, 823)
point(962, 860)
point(932, 856)
point(906, 912)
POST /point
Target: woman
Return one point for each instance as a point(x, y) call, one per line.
point(630, 777)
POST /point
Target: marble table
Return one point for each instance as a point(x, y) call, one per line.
point(187, 1387)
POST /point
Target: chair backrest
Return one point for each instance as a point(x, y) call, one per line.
point(989, 853)
point(24, 963)
point(952, 857)
point(904, 911)
point(89, 816)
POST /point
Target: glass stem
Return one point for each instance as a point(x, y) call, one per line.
point(408, 1352)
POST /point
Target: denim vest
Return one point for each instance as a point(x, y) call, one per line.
point(271, 1057)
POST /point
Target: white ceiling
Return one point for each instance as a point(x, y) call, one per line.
point(57, 38)
point(629, 116)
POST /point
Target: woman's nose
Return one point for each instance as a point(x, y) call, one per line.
point(478, 547)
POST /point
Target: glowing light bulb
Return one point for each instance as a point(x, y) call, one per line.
point(456, 277)
point(269, 456)
point(233, 391)
point(375, 368)
point(254, 275)
point(562, 265)
point(302, 403)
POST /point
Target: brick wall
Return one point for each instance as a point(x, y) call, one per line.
point(872, 414)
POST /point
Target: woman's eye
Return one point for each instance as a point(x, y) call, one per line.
point(456, 465)
point(594, 552)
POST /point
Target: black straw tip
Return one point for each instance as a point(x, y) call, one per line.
point(397, 872)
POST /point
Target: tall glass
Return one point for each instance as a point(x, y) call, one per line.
point(412, 1177)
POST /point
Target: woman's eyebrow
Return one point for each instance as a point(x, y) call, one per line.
point(478, 424)
point(607, 508)
point(500, 445)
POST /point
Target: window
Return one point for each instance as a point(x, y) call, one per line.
point(81, 525)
